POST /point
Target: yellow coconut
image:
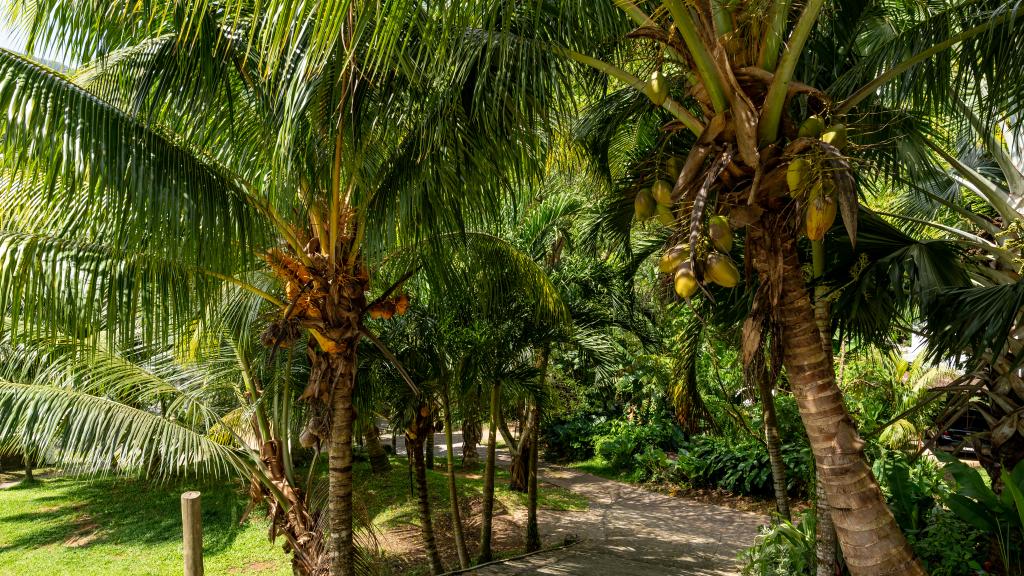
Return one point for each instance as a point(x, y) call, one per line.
point(673, 166)
point(720, 233)
point(644, 205)
point(797, 175)
point(665, 215)
point(720, 270)
point(657, 88)
point(835, 135)
point(673, 258)
point(685, 282)
point(812, 127)
point(820, 214)
point(662, 192)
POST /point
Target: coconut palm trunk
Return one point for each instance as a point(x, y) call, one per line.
point(487, 514)
point(339, 371)
point(453, 489)
point(872, 541)
point(423, 499)
point(379, 462)
point(825, 538)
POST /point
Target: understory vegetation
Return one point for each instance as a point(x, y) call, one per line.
point(769, 251)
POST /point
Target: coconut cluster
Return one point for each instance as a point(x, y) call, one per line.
point(810, 183)
point(710, 262)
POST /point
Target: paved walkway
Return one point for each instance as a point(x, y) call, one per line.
point(630, 531)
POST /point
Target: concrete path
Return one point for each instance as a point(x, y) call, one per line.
point(629, 531)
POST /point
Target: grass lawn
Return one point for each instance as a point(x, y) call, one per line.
point(113, 526)
point(598, 466)
point(116, 526)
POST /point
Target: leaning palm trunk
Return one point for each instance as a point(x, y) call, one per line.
point(453, 490)
point(487, 514)
point(873, 542)
point(825, 539)
point(379, 462)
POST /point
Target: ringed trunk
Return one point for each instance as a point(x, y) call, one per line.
point(872, 541)
point(453, 490)
point(759, 371)
point(341, 368)
point(824, 529)
point(426, 522)
point(487, 514)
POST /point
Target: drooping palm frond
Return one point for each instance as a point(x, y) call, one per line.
point(972, 321)
point(130, 173)
point(82, 432)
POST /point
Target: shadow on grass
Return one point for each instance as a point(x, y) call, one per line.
point(117, 511)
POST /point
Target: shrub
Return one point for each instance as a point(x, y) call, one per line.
point(743, 467)
point(571, 440)
point(948, 546)
point(785, 549)
point(624, 440)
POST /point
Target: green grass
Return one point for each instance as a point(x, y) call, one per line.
point(126, 527)
point(598, 466)
point(387, 501)
point(116, 526)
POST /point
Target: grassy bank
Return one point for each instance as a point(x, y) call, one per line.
point(117, 526)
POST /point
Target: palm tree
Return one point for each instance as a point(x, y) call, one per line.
point(223, 143)
point(723, 80)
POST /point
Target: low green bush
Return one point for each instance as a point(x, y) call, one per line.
point(623, 440)
point(783, 549)
point(742, 467)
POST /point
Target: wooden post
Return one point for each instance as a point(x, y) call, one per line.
point(192, 529)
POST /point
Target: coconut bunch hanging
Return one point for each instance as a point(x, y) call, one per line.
point(819, 179)
point(389, 307)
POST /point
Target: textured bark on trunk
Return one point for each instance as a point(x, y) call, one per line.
point(487, 514)
point(520, 468)
point(871, 540)
point(825, 538)
point(470, 440)
point(430, 448)
point(379, 462)
point(29, 477)
point(426, 522)
point(532, 531)
point(453, 490)
point(342, 367)
point(758, 371)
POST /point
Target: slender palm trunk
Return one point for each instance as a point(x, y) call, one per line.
point(758, 371)
point(532, 531)
point(379, 462)
point(426, 522)
point(487, 514)
point(872, 541)
point(29, 477)
point(453, 490)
